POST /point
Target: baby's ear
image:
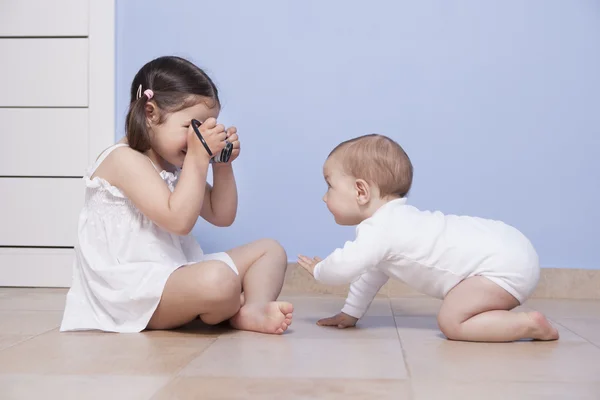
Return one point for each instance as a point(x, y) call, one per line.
point(363, 192)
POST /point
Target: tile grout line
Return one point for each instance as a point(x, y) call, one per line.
point(176, 375)
point(196, 355)
point(574, 333)
point(404, 356)
point(555, 320)
point(29, 338)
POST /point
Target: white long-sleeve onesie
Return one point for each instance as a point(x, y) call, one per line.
point(430, 252)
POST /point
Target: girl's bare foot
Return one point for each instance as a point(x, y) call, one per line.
point(273, 317)
point(541, 328)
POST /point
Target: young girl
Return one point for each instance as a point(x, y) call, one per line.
point(136, 264)
point(481, 268)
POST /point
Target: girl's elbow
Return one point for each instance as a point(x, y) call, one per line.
point(224, 222)
point(182, 228)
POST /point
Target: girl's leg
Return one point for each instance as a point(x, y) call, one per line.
point(477, 310)
point(208, 289)
point(262, 266)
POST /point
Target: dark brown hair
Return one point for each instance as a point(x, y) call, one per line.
point(378, 160)
point(176, 83)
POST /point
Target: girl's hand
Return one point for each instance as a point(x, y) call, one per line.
point(340, 320)
point(309, 264)
point(234, 139)
point(214, 135)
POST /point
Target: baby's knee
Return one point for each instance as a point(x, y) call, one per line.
point(449, 326)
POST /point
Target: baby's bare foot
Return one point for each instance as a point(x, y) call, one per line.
point(273, 317)
point(542, 329)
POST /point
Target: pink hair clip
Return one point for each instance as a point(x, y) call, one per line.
point(149, 93)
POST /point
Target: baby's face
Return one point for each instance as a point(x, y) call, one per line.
point(169, 139)
point(341, 196)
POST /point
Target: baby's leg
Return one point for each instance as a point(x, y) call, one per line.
point(208, 289)
point(262, 266)
point(477, 310)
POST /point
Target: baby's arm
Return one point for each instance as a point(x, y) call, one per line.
point(346, 264)
point(363, 291)
point(176, 211)
point(361, 295)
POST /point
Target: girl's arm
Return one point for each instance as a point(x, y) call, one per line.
point(176, 211)
point(221, 201)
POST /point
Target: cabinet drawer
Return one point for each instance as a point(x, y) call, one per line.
point(43, 141)
point(36, 267)
point(44, 73)
point(40, 211)
point(44, 18)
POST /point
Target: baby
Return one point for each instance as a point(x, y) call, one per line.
point(480, 268)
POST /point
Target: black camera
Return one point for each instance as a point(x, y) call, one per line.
point(223, 156)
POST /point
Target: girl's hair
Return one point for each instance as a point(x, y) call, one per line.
point(176, 84)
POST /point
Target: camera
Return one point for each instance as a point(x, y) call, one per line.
point(223, 156)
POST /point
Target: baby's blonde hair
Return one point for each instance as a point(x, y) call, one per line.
point(378, 160)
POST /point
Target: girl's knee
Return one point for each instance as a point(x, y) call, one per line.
point(274, 248)
point(219, 282)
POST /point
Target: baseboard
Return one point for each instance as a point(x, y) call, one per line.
point(555, 283)
point(53, 268)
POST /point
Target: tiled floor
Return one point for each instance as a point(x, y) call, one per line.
point(396, 352)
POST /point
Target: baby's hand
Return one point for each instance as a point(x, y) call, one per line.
point(308, 263)
point(340, 320)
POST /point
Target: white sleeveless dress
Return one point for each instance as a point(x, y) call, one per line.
point(122, 260)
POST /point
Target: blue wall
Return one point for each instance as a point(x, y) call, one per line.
point(496, 102)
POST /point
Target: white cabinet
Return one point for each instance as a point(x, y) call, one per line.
point(40, 212)
point(41, 18)
point(44, 72)
point(56, 116)
point(43, 141)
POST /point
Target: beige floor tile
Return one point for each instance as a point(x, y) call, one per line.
point(566, 308)
point(18, 326)
point(548, 362)
point(192, 388)
point(307, 328)
point(25, 387)
point(32, 299)
point(320, 307)
point(429, 355)
point(425, 390)
point(283, 357)
point(88, 353)
point(10, 340)
point(378, 323)
point(416, 306)
point(586, 328)
point(28, 322)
